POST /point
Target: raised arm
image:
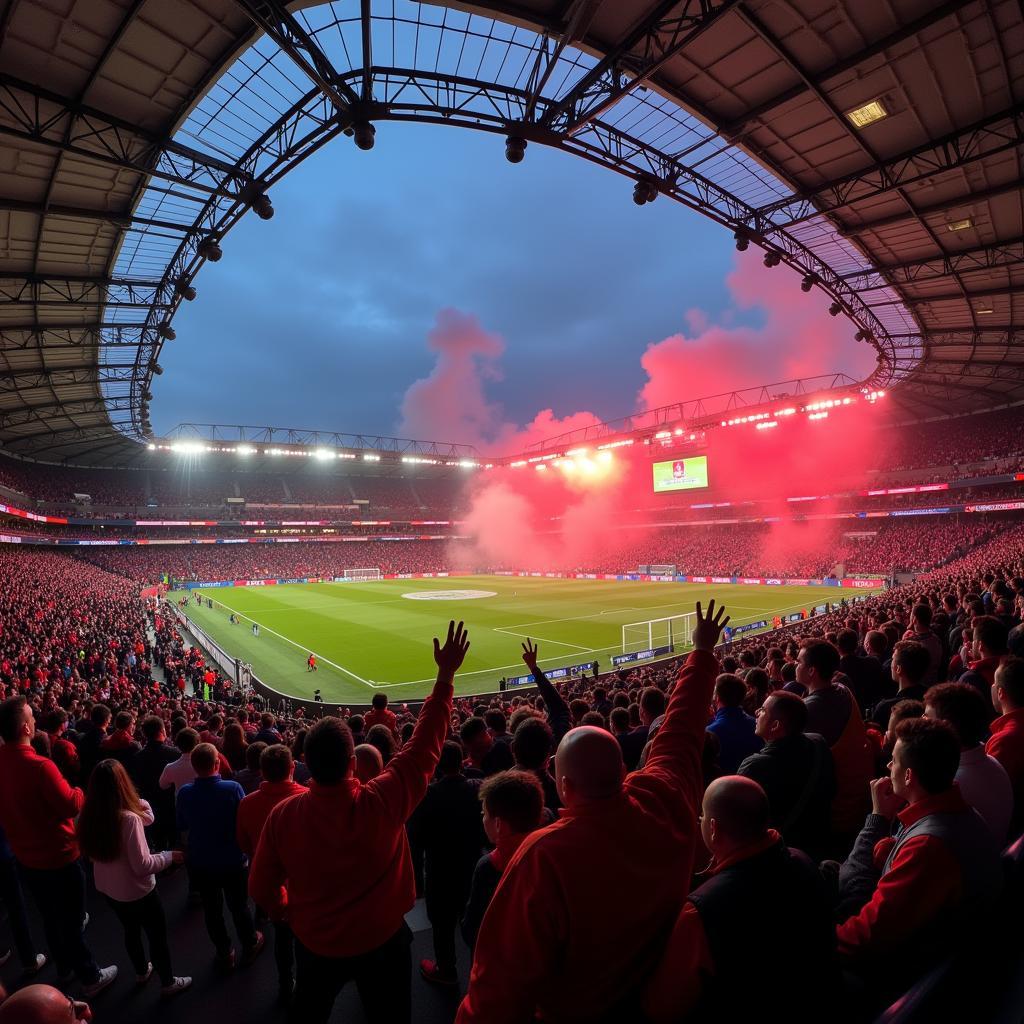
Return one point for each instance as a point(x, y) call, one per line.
point(558, 711)
point(402, 784)
point(675, 752)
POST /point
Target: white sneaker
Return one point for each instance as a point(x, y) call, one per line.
point(175, 987)
point(107, 976)
point(141, 979)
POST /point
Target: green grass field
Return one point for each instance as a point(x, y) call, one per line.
point(370, 636)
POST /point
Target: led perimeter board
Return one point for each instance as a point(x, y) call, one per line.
point(681, 474)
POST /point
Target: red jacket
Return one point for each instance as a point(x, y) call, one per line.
point(549, 944)
point(1006, 745)
point(341, 853)
point(254, 810)
point(924, 880)
point(386, 717)
point(37, 808)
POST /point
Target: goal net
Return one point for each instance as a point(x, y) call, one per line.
point(363, 574)
point(672, 631)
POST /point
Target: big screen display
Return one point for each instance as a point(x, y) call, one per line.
point(681, 474)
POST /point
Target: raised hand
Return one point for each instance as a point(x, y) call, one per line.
point(884, 800)
point(450, 657)
point(530, 655)
point(709, 627)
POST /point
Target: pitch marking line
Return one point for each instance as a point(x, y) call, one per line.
point(543, 640)
point(281, 636)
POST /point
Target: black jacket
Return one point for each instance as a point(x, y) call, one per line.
point(798, 776)
point(448, 828)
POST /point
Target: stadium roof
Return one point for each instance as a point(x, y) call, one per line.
point(877, 147)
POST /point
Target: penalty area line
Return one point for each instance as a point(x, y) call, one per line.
point(281, 636)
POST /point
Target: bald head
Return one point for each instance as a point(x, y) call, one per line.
point(735, 811)
point(369, 763)
point(40, 1004)
point(588, 765)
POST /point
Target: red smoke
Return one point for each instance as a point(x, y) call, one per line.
point(512, 510)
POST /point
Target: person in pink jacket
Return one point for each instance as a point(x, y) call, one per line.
point(110, 833)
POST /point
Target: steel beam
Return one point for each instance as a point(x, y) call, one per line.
point(666, 31)
point(36, 116)
point(34, 290)
point(995, 134)
point(986, 257)
point(303, 50)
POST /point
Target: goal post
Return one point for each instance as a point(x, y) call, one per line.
point(674, 631)
point(362, 574)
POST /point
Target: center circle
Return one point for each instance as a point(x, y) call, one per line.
point(449, 595)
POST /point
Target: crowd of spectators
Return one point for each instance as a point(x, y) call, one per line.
point(847, 782)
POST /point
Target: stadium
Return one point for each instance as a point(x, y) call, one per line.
point(711, 438)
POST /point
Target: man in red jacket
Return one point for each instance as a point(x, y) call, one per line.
point(929, 889)
point(548, 947)
point(277, 769)
point(336, 861)
point(1006, 744)
point(37, 811)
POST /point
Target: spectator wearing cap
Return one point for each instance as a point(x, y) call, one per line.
point(796, 773)
point(982, 780)
point(753, 881)
point(927, 890)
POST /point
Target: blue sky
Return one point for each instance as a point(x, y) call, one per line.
point(319, 317)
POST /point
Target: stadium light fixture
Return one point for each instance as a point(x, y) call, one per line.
point(515, 149)
point(323, 454)
point(184, 289)
point(244, 449)
point(742, 241)
point(869, 113)
point(767, 426)
point(984, 311)
point(809, 281)
point(364, 134)
point(818, 416)
point(262, 206)
point(772, 259)
point(166, 331)
point(644, 192)
point(208, 249)
point(959, 225)
point(835, 309)
point(370, 457)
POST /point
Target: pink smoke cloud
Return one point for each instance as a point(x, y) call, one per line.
point(451, 403)
point(797, 339)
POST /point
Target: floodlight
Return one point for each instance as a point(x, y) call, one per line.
point(742, 241)
point(323, 454)
point(244, 449)
point(262, 206)
point(809, 281)
point(772, 259)
point(644, 192)
point(184, 289)
point(835, 309)
point(515, 149)
point(156, 368)
point(166, 331)
point(364, 133)
point(208, 249)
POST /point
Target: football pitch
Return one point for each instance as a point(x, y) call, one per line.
point(377, 635)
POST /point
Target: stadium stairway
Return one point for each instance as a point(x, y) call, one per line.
point(247, 994)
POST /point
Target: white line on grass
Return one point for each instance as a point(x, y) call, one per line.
point(544, 640)
point(301, 647)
